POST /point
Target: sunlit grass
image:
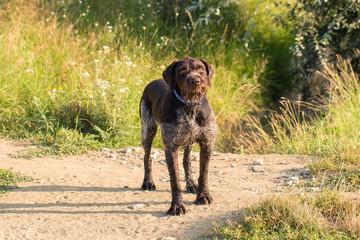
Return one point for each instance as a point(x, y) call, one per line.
point(73, 72)
point(9, 180)
point(328, 215)
point(332, 133)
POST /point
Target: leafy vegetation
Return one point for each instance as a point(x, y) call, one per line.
point(9, 179)
point(332, 133)
point(73, 71)
point(324, 29)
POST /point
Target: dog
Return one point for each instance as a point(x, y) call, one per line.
point(178, 104)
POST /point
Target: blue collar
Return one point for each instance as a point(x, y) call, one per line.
point(190, 104)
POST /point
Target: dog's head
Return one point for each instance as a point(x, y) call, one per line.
point(189, 77)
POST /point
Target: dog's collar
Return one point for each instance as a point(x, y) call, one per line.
point(189, 104)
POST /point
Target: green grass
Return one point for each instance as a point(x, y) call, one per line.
point(327, 215)
point(332, 133)
point(9, 180)
point(73, 71)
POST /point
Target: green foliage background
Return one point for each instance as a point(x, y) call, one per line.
point(77, 68)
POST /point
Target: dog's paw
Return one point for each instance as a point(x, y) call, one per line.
point(177, 209)
point(204, 199)
point(148, 185)
point(191, 186)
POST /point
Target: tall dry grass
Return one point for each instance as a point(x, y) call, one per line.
point(332, 131)
point(73, 71)
point(327, 215)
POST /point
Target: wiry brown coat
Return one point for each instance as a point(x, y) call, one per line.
point(182, 123)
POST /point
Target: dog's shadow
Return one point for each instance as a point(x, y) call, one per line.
point(65, 206)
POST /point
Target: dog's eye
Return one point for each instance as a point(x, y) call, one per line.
point(200, 69)
point(182, 71)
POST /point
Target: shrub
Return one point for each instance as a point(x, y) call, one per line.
point(324, 29)
point(333, 134)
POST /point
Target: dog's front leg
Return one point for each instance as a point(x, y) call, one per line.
point(203, 195)
point(191, 185)
point(177, 203)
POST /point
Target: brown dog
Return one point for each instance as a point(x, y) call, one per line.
point(179, 106)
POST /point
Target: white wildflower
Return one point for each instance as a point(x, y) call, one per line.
point(85, 74)
point(217, 13)
point(122, 80)
point(103, 84)
point(122, 90)
point(52, 93)
point(128, 63)
point(106, 49)
point(29, 71)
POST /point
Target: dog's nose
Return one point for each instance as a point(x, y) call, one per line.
point(194, 81)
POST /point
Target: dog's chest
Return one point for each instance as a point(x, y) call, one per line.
point(186, 130)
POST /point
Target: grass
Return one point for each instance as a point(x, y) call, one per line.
point(332, 133)
point(73, 71)
point(345, 181)
point(9, 179)
point(327, 215)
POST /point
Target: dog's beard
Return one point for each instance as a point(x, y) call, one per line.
point(194, 94)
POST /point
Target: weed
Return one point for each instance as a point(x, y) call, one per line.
point(9, 179)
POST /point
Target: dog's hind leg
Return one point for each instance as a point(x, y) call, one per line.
point(148, 132)
point(191, 185)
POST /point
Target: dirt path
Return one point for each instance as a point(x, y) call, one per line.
point(97, 196)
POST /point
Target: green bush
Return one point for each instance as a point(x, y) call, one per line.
point(325, 29)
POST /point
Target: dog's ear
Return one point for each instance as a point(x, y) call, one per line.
point(209, 70)
point(169, 75)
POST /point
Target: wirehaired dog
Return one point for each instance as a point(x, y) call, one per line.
point(179, 106)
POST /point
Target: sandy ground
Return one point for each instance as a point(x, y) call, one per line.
point(98, 196)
